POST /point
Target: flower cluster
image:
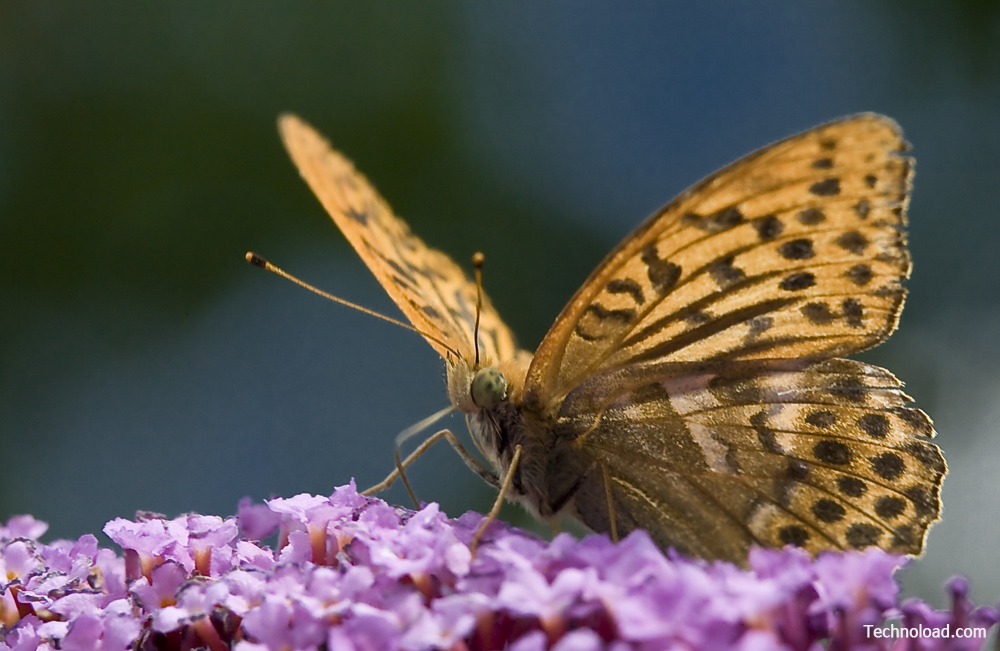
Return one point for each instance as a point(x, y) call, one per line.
point(353, 573)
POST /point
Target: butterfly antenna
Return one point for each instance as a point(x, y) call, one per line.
point(258, 261)
point(477, 263)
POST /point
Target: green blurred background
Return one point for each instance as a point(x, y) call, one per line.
point(145, 365)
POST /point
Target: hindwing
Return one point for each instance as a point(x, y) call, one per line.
point(827, 456)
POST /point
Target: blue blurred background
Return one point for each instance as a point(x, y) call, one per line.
point(145, 365)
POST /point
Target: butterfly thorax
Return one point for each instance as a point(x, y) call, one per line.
point(497, 431)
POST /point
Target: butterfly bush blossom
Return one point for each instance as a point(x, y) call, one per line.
point(354, 573)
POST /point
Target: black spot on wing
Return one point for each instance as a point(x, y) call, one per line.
point(597, 322)
point(818, 313)
point(697, 318)
point(431, 312)
point(738, 393)
point(800, 249)
point(852, 486)
point(862, 534)
point(465, 312)
point(716, 222)
point(822, 164)
point(848, 388)
point(732, 454)
point(854, 313)
point(627, 286)
point(796, 470)
point(663, 274)
point(768, 227)
point(724, 273)
point(798, 281)
point(916, 419)
point(725, 219)
point(925, 500)
point(759, 325)
point(402, 276)
point(874, 425)
point(928, 455)
point(863, 208)
point(765, 435)
point(888, 508)
point(859, 274)
point(811, 216)
point(888, 465)
point(871, 180)
point(832, 452)
point(826, 187)
point(793, 534)
point(399, 269)
point(828, 511)
point(359, 216)
point(822, 419)
point(852, 242)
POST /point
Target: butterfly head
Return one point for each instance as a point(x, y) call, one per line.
point(489, 387)
point(476, 388)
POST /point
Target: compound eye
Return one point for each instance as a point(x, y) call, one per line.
point(489, 388)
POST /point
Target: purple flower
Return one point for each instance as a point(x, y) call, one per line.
point(146, 543)
point(351, 572)
point(23, 526)
point(257, 521)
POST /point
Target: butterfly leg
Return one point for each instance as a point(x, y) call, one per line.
point(473, 463)
point(469, 460)
point(611, 504)
point(395, 474)
point(492, 515)
point(402, 475)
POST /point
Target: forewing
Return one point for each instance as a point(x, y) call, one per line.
point(795, 251)
point(827, 457)
point(431, 290)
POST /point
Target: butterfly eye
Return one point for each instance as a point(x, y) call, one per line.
point(489, 387)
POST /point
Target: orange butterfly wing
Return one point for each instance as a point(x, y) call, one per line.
point(432, 291)
point(805, 232)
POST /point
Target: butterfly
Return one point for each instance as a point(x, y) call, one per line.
point(695, 385)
